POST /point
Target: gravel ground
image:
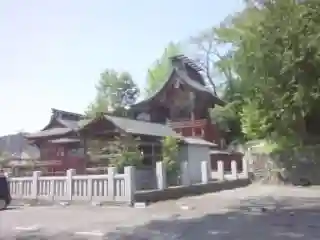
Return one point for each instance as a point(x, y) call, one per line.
point(250, 213)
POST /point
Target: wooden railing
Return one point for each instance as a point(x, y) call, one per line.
point(191, 128)
point(188, 123)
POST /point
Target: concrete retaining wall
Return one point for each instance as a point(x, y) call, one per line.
point(182, 191)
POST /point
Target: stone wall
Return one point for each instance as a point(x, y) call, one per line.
point(298, 167)
point(182, 191)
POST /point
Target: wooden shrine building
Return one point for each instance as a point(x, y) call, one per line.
point(179, 108)
point(183, 102)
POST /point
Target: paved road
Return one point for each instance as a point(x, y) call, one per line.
point(254, 212)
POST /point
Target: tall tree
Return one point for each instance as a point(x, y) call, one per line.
point(115, 92)
point(214, 50)
point(206, 51)
point(158, 72)
point(227, 40)
point(275, 57)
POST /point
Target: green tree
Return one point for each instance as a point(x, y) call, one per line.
point(159, 71)
point(115, 92)
point(206, 54)
point(214, 50)
point(170, 150)
point(124, 152)
point(234, 89)
point(274, 54)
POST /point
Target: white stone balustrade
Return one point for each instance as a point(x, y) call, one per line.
point(108, 187)
point(113, 186)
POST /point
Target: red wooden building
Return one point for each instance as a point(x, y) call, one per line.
point(59, 141)
point(181, 104)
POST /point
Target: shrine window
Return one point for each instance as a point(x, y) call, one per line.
point(49, 152)
point(76, 152)
point(151, 154)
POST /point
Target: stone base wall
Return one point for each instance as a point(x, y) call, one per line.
point(182, 191)
point(296, 167)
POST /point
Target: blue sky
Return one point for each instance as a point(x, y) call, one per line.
point(52, 52)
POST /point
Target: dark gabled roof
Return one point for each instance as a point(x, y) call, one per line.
point(199, 87)
point(49, 132)
point(66, 114)
point(135, 126)
point(153, 96)
point(184, 78)
point(187, 61)
point(65, 119)
point(68, 123)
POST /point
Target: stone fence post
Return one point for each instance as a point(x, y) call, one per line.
point(245, 169)
point(204, 172)
point(34, 188)
point(111, 173)
point(234, 170)
point(130, 173)
point(220, 169)
point(185, 178)
point(70, 173)
point(161, 175)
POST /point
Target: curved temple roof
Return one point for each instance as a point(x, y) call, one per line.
point(48, 132)
point(184, 78)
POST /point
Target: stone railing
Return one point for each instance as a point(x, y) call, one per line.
point(113, 187)
point(207, 175)
point(221, 174)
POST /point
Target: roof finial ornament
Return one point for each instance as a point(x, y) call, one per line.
point(187, 61)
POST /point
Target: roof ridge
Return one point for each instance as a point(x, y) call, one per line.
point(149, 98)
point(54, 110)
point(187, 61)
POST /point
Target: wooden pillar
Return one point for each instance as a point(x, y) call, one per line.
point(152, 155)
point(84, 144)
point(192, 124)
point(192, 116)
point(202, 132)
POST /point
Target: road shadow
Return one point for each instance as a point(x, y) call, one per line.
point(255, 219)
point(264, 219)
point(10, 208)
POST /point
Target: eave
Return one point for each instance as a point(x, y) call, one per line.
point(52, 132)
point(133, 127)
point(184, 78)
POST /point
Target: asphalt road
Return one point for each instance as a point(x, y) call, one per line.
point(251, 213)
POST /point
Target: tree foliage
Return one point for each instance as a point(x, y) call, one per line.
point(272, 57)
point(279, 58)
point(124, 152)
point(170, 149)
point(207, 55)
point(115, 92)
point(159, 71)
